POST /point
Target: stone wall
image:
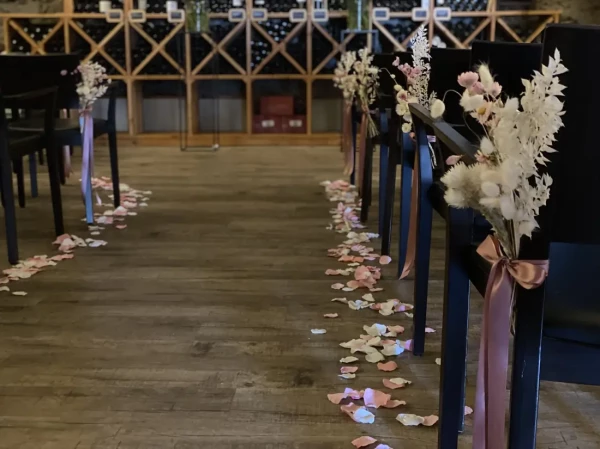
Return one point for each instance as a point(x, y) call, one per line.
point(580, 11)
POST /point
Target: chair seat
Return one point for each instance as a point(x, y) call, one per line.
point(24, 143)
point(65, 128)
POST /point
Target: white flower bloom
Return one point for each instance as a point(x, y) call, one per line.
point(490, 189)
point(486, 77)
point(507, 207)
point(487, 147)
point(406, 127)
point(437, 108)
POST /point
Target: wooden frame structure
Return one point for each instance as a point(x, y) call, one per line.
point(492, 22)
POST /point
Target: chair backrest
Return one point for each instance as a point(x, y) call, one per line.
point(24, 73)
point(509, 62)
point(384, 62)
point(446, 65)
point(570, 223)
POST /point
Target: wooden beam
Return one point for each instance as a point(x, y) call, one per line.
point(509, 30)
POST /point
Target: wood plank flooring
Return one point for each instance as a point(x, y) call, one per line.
point(191, 329)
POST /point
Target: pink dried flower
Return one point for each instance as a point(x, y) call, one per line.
point(477, 89)
point(396, 62)
point(467, 79)
point(495, 90)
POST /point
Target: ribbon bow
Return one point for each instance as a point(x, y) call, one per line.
point(492, 372)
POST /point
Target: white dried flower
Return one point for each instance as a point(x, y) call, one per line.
point(437, 108)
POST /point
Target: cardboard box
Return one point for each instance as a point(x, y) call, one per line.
point(295, 124)
point(277, 105)
point(266, 124)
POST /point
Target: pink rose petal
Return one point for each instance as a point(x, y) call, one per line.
point(121, 226)
point(408, 344)
point(353, 394)
point(375, 398)
point(331, 272)
point(353, 284)
point(337, 286)
point(397, 329)
point(392, 385)
point(358, 414)
point(336, 398)
point(430, 420)
point(452, 160)
point(382, 446)
point(429, 330)
point(388, 366)
point(384, 260)
point(468, 410)
point(393, 403)
point(348, 369)
point(363, 441)
point(331, 315)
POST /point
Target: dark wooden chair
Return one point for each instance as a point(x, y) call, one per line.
point(525, 59)
point(557, 327)
point(446, 65)
point(15, 145)
point(57, 70)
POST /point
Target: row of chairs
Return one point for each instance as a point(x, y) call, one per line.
point(557, 327)
point(33, 89)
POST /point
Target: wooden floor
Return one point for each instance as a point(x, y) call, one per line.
point(191, 329)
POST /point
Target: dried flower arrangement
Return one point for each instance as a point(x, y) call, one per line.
point(505, 183)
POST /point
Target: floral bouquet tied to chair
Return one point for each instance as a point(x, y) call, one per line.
point(507, 187)
point(93, 84)
point(357, 78)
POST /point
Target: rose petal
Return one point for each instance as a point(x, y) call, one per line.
point(375, 329)
point(468, 410)
point(438, 361)
point(375, 398)
point(336, 398)
point(374, 357)
point(430, 420)
point(409, 419)
point(363, 441)
point(429, 330)
point(331, 315)
point(382, 446)
point(408, 344)
point(348, 369)
point(452, 160)
point(347, 376)
point(343, 300)
point(384, 260)
point(337, 286)
point(19, 293)
point(393, 403)
point(349, 359)
point(397, 329)
point(4, 289)
point(388, 366)
point(358, 414)
point(368, 297)
point(318, 331)
point(121, 226)
point(397, 382)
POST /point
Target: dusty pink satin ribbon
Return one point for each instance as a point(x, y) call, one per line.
point(411, 246)
point(347, 139)
point(492, 372)
point(362, 147)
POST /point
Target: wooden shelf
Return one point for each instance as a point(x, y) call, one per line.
point(245, 52)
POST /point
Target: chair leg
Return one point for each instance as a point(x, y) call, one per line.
point(354, 131)
point(114, 167)
point(8, 201)
point(527, 355)
point(41, 157)
point(367, 180)
point(383, 161)
point(454, 329)
point(60, 157)
point(388, 210)
point(53, 174)
point(18, 164)
point(33, 175)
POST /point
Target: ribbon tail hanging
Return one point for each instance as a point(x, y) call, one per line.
point(87, 164)
point(362, 148)
point(411, 244)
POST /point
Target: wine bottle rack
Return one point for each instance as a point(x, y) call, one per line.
point(158, 60)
